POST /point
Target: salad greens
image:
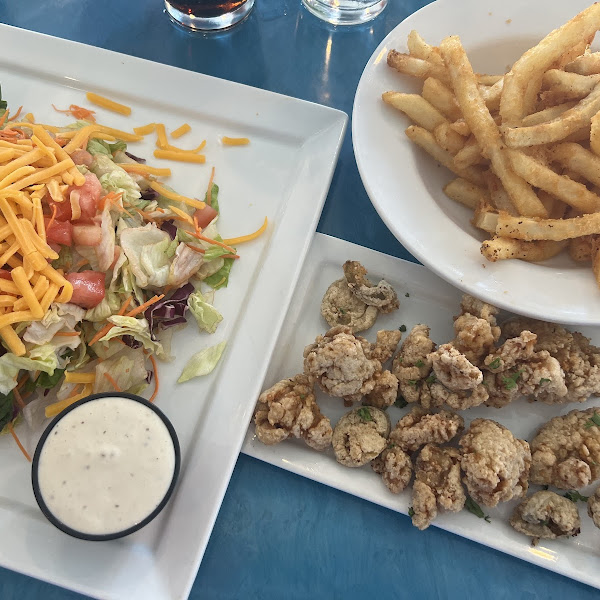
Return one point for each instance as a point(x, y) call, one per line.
point(138, 269)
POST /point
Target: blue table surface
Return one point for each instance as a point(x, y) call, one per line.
point(279, 535)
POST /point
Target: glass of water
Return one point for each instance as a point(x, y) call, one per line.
point(345, 12)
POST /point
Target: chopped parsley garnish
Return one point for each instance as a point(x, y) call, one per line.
point(510, 382)
point(595, 420)
point(575, 496)
point(431, 379)
point(402, 328)
point(495, 363)
point(474, 508)
point(400, 402)
point(544, 380)
point(391, 446)
point(545, 523)
point(364, 413)
point(412, 382)
point(407, 295)
point(341, 310)
point(411, 511)
point(302, 396)
point(419, 363)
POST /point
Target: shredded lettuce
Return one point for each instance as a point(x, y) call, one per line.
point(206, 315)
point(109, 306)
point(138, 329)
point(128, 370)
point(202, 363)
point(147, 251)
point(41, 358)
point(221, 277)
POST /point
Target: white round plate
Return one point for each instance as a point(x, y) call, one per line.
point(405, 184)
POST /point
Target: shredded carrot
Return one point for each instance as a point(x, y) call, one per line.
point(196, 226)
point(108, 327)
point(23, 381)
point(110, 198)
point(156, 382)
point(52, 218)
point(230, 256)
point(18, 441)
point(74, 391)
point(19, 398)
point(131, 313)
point(78, 112)
point(16, 115)
point(143, 307)
point(250, 236)
point(113, 382)
point(195, 249)
point(4, 117)
point(209, 190)
point(68, 333)
point(210, 241)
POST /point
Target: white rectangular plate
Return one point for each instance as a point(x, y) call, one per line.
point(432, 301)
point(284, 174)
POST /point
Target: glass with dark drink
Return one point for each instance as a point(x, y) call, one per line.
point(208, 14)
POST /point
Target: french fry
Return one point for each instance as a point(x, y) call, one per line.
point(537, 174)
point(465, 192)
point(499, 248)
point(469, 154)
point(595, 134)
point(419, 48)
point(540, 58)
point(547, 114)
point(484, 127)
point(425, 139)
point(577, 159)
point(499, 199)
point(580, 249)
point(523, 228)
point(448, 139)
point(577, 85)
point(417, 67)
point(557, 129)
point(441, 97)
point(586, 64)
point(416, 108)
point(485, 218)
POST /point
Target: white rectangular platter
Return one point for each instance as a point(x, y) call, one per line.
point(424, 298)
point(284, 174)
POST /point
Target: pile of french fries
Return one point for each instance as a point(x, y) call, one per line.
point(525, 146)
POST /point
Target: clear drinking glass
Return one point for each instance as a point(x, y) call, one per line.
point(207, 15)
point(345, 12)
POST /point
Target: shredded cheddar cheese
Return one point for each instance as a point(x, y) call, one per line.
point(182, 130)
point(98, 100)
point(145, 169)
point(180, 156)
point(229, 141)
point(163, 191)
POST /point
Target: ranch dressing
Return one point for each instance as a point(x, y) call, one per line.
point(106, 465)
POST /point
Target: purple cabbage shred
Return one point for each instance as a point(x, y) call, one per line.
point(149, 194)
point(169, 311)
point(170, 228)
point(136, 158)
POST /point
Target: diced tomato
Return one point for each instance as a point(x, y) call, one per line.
point(87, 235)
point(63, 210)
point(205, 215)
point(88, 288)
point(60, 232)
point(89, 194)
point(82, 157)
point(4, 274)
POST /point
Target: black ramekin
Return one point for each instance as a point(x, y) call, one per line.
point(117, 534)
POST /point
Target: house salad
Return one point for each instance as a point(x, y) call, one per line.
point(125, 260)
